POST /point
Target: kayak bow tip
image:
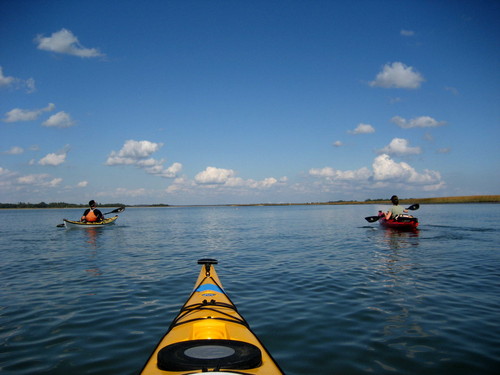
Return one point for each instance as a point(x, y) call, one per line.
point(207, 261)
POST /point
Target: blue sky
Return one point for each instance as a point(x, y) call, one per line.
point(209, 102)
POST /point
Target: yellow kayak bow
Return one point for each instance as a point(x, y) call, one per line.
point(210, 336)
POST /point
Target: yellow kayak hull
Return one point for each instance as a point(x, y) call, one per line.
point(86, 224)
point(209, 335)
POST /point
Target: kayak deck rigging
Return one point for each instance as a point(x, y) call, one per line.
point(208, 335)
point(208, 306)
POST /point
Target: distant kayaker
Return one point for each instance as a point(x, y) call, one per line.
point(92, 214)
point(396, 209)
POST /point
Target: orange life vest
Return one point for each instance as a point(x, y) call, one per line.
point(91, 216)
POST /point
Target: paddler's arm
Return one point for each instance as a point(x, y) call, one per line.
point(84, 217)
point(100, 216)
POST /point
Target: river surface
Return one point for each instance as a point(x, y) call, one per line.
point(327, 292)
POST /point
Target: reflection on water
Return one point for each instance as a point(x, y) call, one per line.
point(397, 274)
point(92, 235)
point(94, 271)
point(92, 238)
point(396, 239)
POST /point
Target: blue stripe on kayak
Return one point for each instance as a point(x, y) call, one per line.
point(212, 287)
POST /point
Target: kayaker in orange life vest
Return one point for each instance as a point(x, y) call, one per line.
point(92, 214)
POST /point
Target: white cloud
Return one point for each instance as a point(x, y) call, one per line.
point(54, 182)
point(137, 153)
point(30, 85)
point(437, 186)
point(180, 184)
point(332, 174)
point(30, 179)
point(17, 82)
point(386, 169)
point(398, 75)
point(224, 179)
point(148, 163)
point(30, 184)
point(444, 150)
point(53, 159)
point(59, 120)
point(238, 182)
point(39, 180)
point(407, 33)
point(363, 129)
point(114, 159)
point(65, 42)
point(418, 122)
point(4, 171)
point(5, 81)
point(212, 175)
point(265, 183)
point(18, 114)
point(337, 144)
point(172, 171)
point(139, 149)
point(82, 184)
point(400, 146)
point(133, 151)
point(385, 173)
point(15, 150)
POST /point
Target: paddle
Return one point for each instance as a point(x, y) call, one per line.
point(372, 219)
point(115, 211)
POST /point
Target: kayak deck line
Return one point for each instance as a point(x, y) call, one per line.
point(209, 306)
point(212, 305)
point(209, 335)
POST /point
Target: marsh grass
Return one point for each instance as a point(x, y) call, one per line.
point(459, 199)
point(437, 200)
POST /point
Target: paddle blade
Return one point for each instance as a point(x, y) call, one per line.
point(60, 225)
point(414, 207)
point(116, 211)
point(372, 219)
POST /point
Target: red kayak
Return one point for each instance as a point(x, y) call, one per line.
point(401, 222)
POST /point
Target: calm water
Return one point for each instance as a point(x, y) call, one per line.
point(326, 292)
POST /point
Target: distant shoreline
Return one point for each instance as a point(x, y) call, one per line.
point(438, 200)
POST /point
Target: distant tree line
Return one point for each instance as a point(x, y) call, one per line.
point(439, 200)
point(54, 205)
